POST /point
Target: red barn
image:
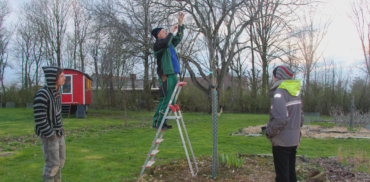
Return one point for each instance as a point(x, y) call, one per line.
point(76, 92)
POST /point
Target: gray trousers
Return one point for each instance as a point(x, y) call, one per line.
point(55, 156)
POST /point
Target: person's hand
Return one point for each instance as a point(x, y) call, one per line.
point(298, 145)
point(174, 28)
point(181, 18)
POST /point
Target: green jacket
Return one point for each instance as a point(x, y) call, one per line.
point(162, 52)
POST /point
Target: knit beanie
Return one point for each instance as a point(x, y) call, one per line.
point(283, 73)
point(156, 31)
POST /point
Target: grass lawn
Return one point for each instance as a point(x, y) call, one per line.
point(100, 148)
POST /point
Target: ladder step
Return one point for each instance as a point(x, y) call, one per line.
point(173, 117)
point(154, 152)
point(150, 163)
point(159, 140)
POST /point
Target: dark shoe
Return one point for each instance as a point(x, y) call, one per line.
point(163, 127)
point(167, 126)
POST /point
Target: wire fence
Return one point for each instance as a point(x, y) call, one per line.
point(360, 118)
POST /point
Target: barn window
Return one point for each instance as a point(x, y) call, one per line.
point(88, 84)
point(67, 87)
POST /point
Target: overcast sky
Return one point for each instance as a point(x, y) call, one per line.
point(341, 43)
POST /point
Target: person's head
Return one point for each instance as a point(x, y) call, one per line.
point(60, 79)
point(159, 33)
point(54, 76)
point(282, 73)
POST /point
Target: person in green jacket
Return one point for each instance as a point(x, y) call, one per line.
point(167, 66)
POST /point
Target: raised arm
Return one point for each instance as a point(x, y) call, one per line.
point(177, 39)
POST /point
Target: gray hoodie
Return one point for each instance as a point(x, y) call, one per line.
point(286, 117)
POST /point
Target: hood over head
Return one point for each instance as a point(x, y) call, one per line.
point(50, 73)
point(292, 86)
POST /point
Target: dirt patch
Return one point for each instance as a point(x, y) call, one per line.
point(6, 154)
point(316, 131)
point(336, 171)
point(178, 170)
point(255, 168)
point(253, 129)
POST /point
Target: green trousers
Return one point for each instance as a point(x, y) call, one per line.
point(166, 89)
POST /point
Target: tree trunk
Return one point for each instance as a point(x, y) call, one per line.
point(26, 74)
point(111, 85)
point(307, 91)
point(133, 86)
point(22, 70)
point(146, 81)
point(125, 106)
point(37, 76)
point(96, 52)
point(75, 48)
point(58, 47)
point(82, 58)
point(254, 79)
point(264, 78)
point(147, 94)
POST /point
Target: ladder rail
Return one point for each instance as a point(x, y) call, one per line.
point(159, 130)
point(156, 148)
point(177, 94)
point(187, 137)
point(167, 115)
point(185, 148)
point(150, 151)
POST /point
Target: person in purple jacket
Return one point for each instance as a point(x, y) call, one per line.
point(286, 120)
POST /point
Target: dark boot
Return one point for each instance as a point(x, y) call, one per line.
point(167, 126)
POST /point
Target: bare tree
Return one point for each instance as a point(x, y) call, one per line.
point(221, 25)
point(268, 33)
point(360, 17)
point(95, 48)
point(292, 59)
point(81, 21)
point(37, 56)
point(135, 20)
point(239, 66)
point(309, 40)
point(23, 47)
point(5, 36)
point(69, 51)
point(51, 18)
point(28, 48)
point(253, 73)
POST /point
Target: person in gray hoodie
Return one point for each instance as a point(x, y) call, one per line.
point(286, 120)
point(47, 109)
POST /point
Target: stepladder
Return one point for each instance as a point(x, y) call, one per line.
point(172, 112)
